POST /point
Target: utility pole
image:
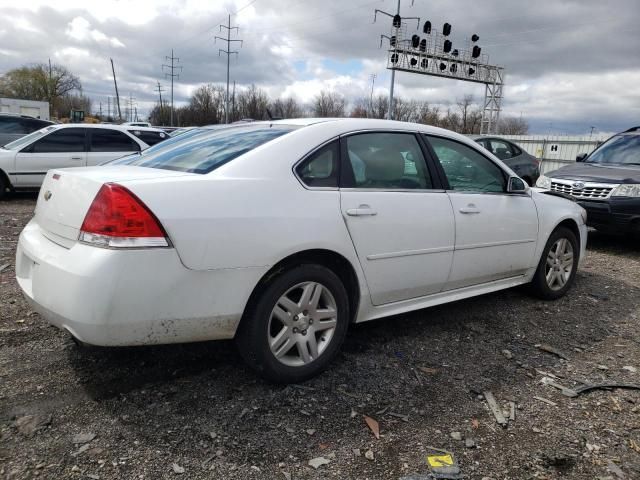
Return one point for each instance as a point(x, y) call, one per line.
point(172, 75)
point(160, 90)
point(233, 100)
point(131, 107)
point(373, 81)
point(228, 52)
point(100, 110)
point(116, 85)
point(108, 108)
point(49, 89)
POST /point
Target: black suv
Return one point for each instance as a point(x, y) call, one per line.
point(14, 126)
point(606, 183)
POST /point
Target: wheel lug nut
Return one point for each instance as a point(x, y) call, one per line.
point(304, 332)
point(311, 321)
point(295, 330)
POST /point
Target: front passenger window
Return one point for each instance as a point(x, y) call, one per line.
point(466, 169)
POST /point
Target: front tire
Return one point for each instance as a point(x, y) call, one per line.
point(296, 326)
point(3, 187)
point(558, 265)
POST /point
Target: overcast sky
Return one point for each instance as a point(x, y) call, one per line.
point(569, 65)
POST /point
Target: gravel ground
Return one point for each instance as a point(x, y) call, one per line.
point(195, 411)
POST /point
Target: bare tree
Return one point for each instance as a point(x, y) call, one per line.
point(286, 108)
point(513, 126)
point(41, 82)
point(464, 106)
point(329, 104)
point(360, 108)
point(252, 103)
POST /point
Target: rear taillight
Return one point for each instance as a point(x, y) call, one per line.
point(119, 219)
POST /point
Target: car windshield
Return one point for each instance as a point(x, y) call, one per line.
point(620, 149)
point(27, 139)
point(203, 153)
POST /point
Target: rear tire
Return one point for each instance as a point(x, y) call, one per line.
point(296, 326)
point(558, 265)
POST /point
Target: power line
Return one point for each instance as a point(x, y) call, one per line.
point(228, 52)
point(172, 75)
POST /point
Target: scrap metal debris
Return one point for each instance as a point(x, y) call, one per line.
point(606, 386)
point(549, 349)
point(547, 401)
point(495, 409)
point(568, 392)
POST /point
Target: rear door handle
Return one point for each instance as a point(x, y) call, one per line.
point(76, 158)
point(361, 211)
point(469, 209)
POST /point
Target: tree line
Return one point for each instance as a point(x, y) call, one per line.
point(206, 106)
point(63, 90)
point(46, 82)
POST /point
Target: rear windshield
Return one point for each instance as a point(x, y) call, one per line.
point(619, 149)
point(203, 153)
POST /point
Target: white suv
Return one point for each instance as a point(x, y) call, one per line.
point(24, 162)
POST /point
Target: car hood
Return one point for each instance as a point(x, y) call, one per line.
point(593, 172)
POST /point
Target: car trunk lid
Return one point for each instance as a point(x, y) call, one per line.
point(67, 194)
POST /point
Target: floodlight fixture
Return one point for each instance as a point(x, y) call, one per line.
point(415, 41)
point(475, 38)
point(446, 48)
point(427, 27)
point(475, 52)
point(446, 29)
point(397, 21)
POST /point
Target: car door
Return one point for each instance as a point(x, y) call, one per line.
point(496, 232)
point(64, 147)
point(400, 222)
point(108, 144)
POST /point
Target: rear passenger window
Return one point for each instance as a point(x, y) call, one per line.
point(321, 168)
point(104, 140)
point(150, 138)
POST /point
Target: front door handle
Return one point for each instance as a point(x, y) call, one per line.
point(76, 158)
point(361, 211)
point(469, 209)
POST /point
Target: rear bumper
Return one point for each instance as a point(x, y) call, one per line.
point(129, 297)
point(615, 215)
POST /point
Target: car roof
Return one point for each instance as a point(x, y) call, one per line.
point(19, 115)
point(122, 128)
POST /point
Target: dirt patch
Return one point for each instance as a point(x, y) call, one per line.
point(195, 411)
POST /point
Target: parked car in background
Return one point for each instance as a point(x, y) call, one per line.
point(137, 124)
point(14, 126)
point(24, 162)
point(606, 183)
point(150, 136)
point(525, 165)
point(281, 233)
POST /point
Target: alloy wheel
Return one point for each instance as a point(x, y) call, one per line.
point(302, 324)
point(559, 264)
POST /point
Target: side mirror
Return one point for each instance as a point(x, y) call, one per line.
point(516, 185)
point(581, 157)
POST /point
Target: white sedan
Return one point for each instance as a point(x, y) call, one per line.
point(279, 234)
point(25, 161)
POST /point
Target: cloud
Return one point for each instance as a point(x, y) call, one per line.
point(574, 62)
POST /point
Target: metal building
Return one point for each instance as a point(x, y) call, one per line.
point(25, 107)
